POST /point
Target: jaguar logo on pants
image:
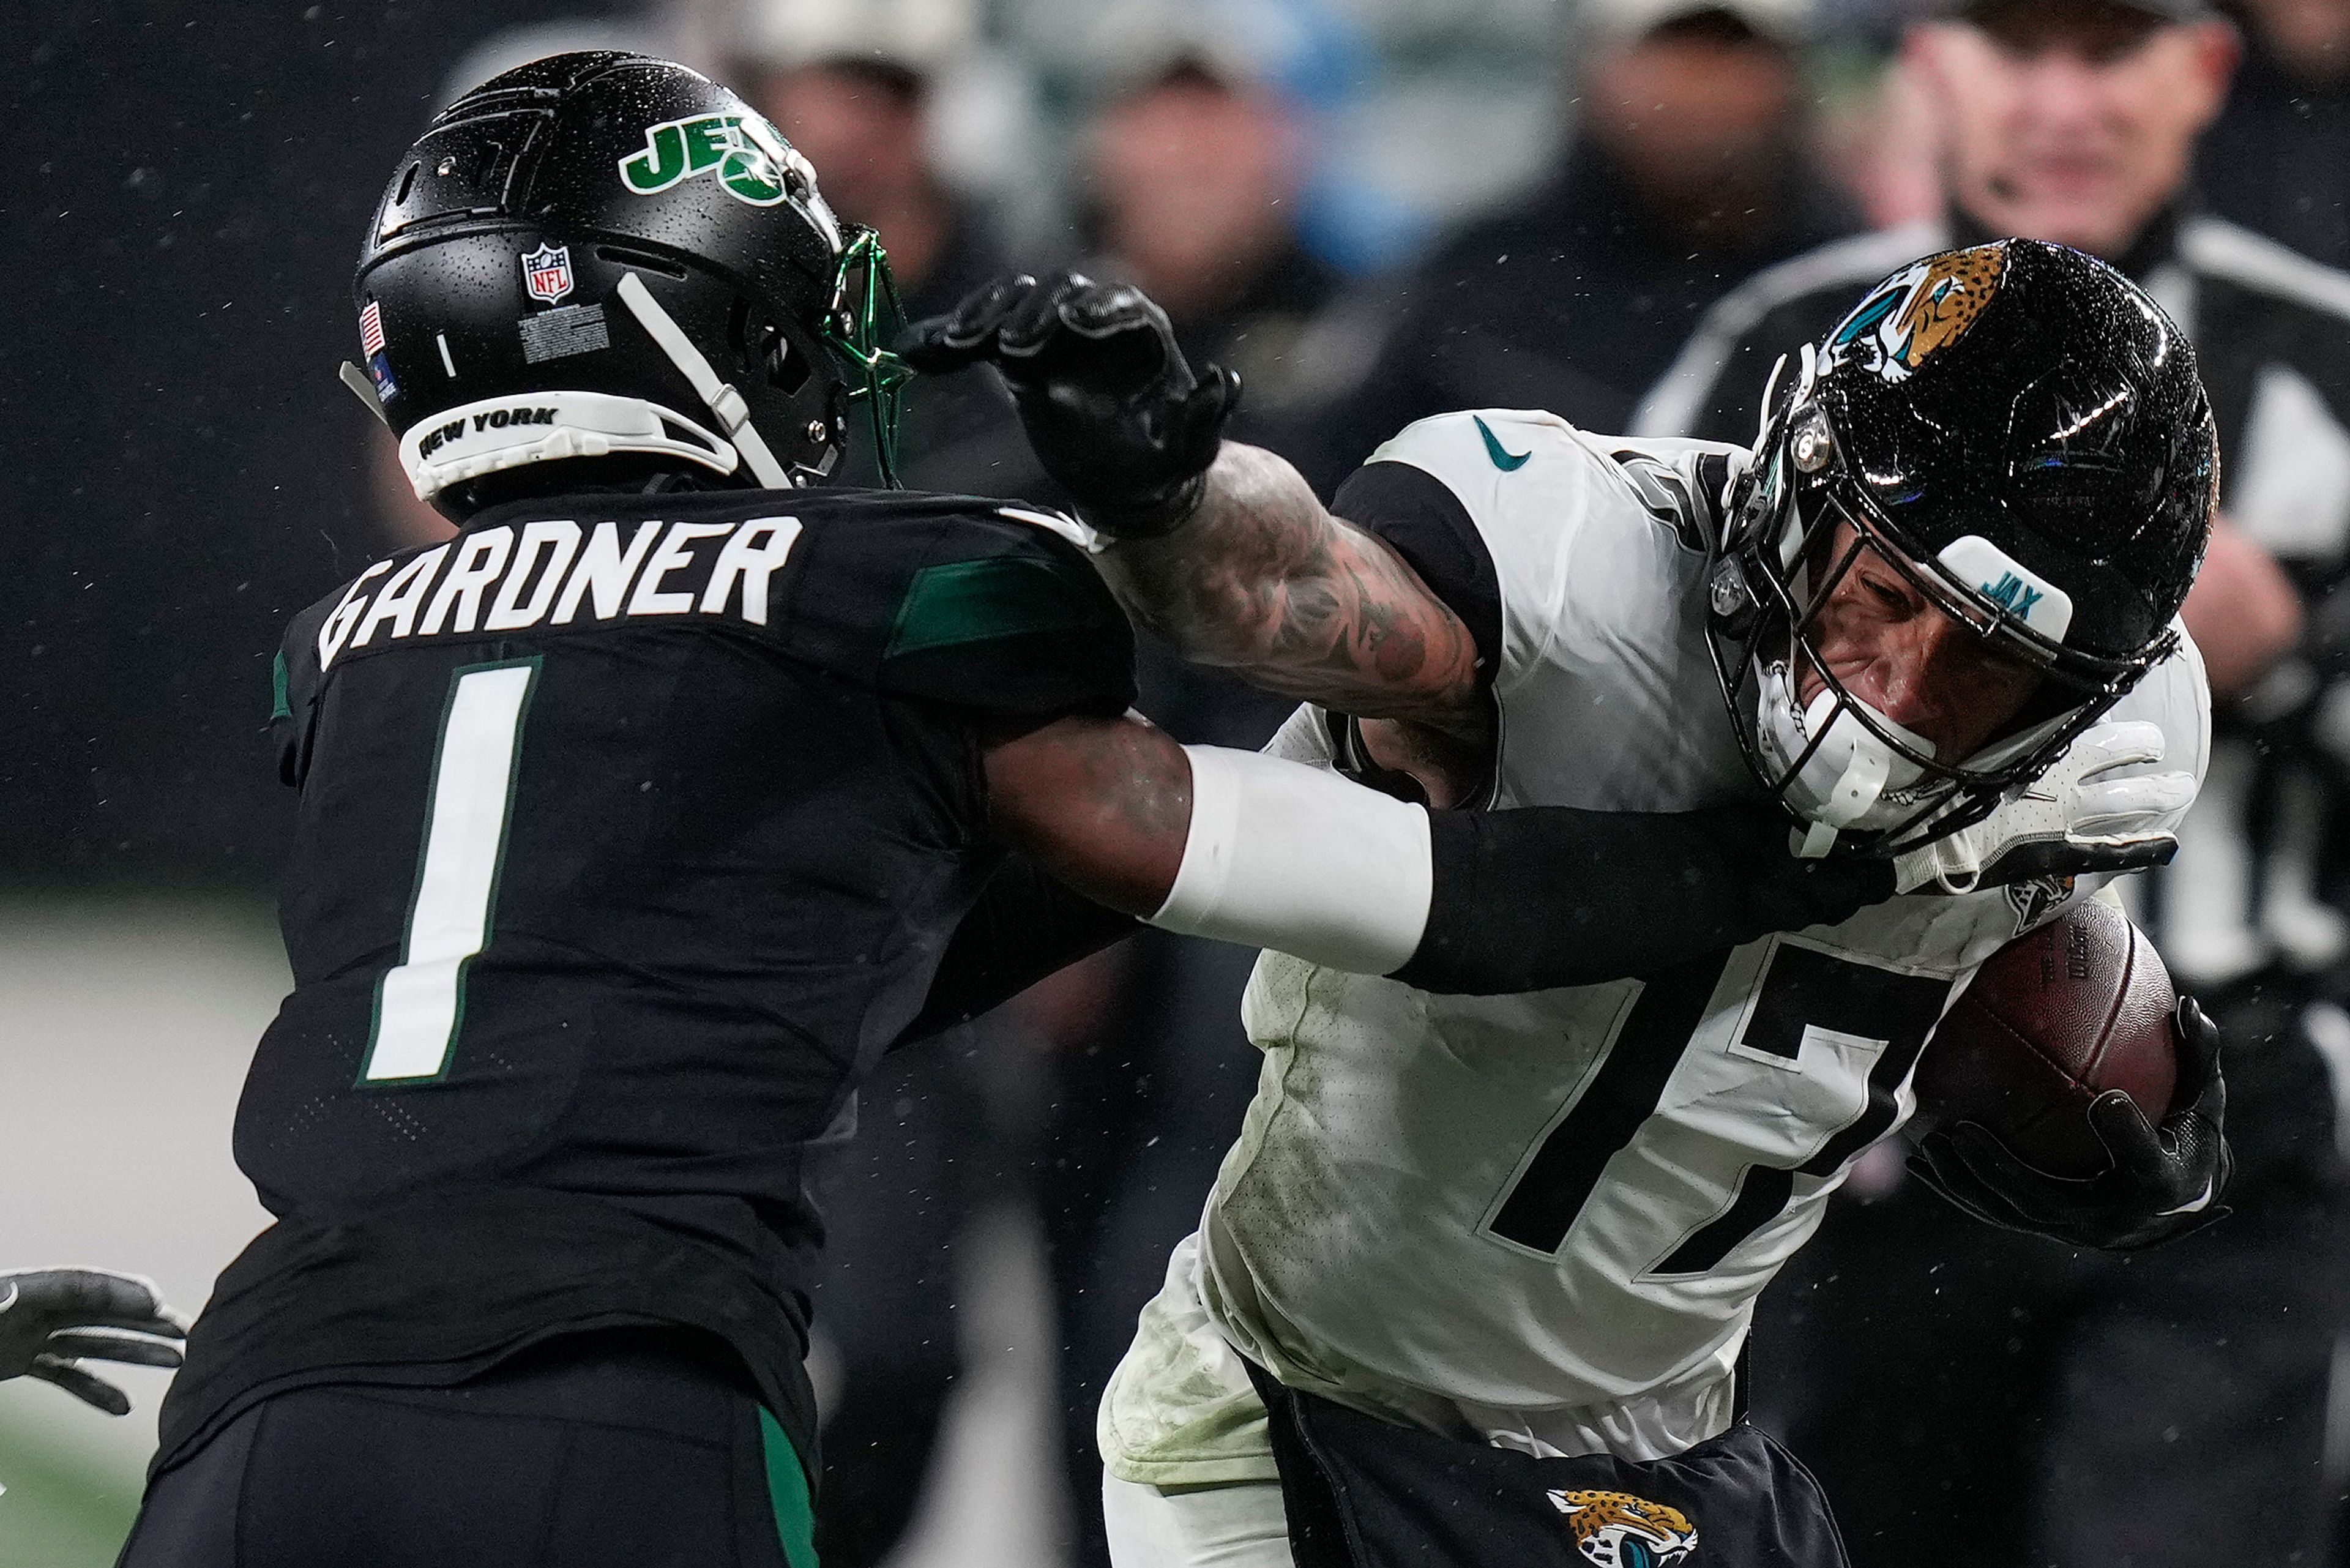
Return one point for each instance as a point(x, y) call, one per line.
point(1616, 1530)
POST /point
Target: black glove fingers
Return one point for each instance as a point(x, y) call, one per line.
point(159, 1322)
point(159, 1325)
point(2121, 1124)
point(2170, 1172)
point(1110, 407)
point(2200, 1162)
point(81, 1296)
point(1212, 402)
point(1948, 1178)
point(2199, 1057)
point(1105, 310)
point(81, 1385)
point(984, 311)
point(1947, 1171)
point(1992, 1163)
point(162, 1325)
point(1031, 324)
point(1921, 1168)
point(105, 1344)
point(967, 334)
point(922, 345)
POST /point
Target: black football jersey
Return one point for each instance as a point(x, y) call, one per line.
point(631, 831)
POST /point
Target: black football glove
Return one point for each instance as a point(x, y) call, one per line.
point(53, 1319)
point(1114, 413)
point(2165, 1182)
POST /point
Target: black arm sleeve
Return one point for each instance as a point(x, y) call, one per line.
point(1546, 895)
point(1024, 926)
point(1420, 518)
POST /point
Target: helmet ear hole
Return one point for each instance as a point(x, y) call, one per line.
point(767, 349)
point(787, 370)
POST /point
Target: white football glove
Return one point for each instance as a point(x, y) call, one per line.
point(51, 1319)
point(2073, 819)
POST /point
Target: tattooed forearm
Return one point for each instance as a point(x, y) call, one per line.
point(1264, 581)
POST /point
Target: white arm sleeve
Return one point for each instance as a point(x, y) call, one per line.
point(1302, 861)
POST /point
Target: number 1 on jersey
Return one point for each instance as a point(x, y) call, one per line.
point(420, 1000)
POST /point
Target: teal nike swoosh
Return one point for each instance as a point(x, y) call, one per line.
point(1507, 461)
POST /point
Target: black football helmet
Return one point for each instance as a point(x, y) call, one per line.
point(2021, 431)
point(603, 256)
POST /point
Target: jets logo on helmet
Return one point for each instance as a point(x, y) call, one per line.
point(719, 325)
point(746, 154)
point(2018, 431)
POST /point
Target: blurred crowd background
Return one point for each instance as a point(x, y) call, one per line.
point(1619, 210)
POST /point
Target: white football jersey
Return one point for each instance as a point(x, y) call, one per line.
point(1542, 1219)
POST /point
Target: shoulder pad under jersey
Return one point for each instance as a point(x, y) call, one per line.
point(968, 602)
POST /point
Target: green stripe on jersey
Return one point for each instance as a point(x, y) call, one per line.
point(787, 1489)
point(960, 602)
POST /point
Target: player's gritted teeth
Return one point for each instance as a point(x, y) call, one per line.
point(1890, 647)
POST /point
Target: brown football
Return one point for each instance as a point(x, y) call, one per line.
point(2053, 1020)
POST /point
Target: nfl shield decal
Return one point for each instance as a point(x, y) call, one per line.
point(546, 273)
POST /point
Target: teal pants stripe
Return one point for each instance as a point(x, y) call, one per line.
point(787, 1489)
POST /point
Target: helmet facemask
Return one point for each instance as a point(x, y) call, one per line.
point(1862, 783)
point(863, 319)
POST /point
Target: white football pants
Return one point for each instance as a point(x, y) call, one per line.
point(1241, 1525)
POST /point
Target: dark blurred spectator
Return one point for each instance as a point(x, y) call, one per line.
point(850, 83)
point(1189, 168)
point(1971, 1396)
point(1193, 165)
point(1877, 129)
point(1686, 172)
point(2279, 158)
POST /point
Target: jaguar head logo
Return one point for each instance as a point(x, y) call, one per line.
point(1923, 308)
point(1616, 1530)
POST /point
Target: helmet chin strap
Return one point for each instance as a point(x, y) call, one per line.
point(495, 433)
point(1863, 767)
point(364, 391)
point(733, 414)
point(1807, 375)
point(1855, 789)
